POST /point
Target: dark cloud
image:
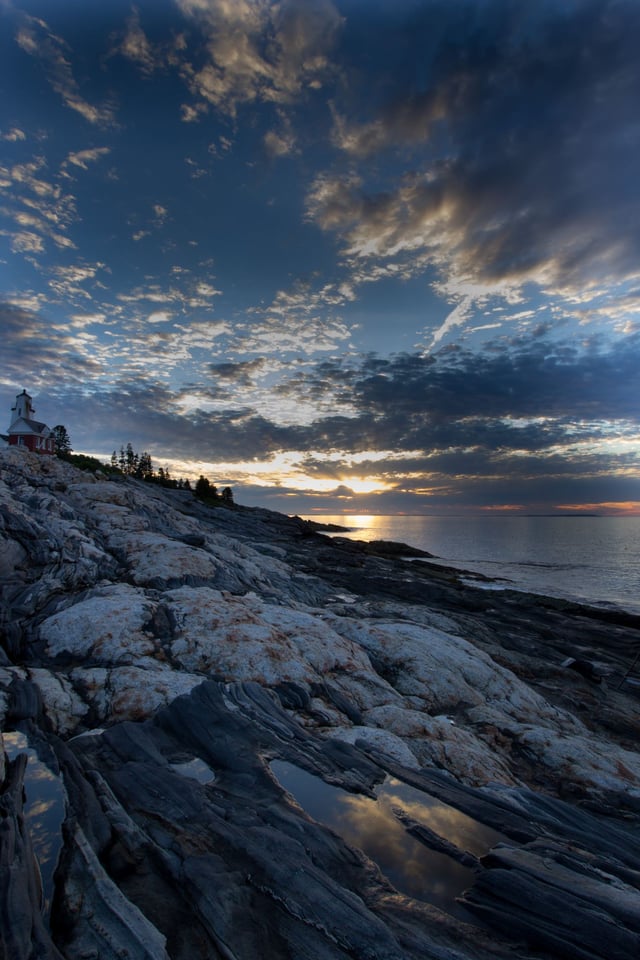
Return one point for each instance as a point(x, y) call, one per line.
point(539, 378)
point(151, 417)
point(523, 128)
point(239, 374)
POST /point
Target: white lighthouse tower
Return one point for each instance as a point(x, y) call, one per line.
point(23, 409)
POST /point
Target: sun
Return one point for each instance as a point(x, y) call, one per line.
point(365, 486)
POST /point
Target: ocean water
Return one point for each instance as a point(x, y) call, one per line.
point(593, 560)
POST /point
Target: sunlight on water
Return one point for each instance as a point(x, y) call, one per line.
point(373, 827)
point(593, 560)
point(44, 811)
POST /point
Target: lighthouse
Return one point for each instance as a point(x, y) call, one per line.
point(24, 431)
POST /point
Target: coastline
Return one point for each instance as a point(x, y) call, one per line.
point(143, 631)
point(595, 563)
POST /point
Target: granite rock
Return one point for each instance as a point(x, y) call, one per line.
point(164, 653)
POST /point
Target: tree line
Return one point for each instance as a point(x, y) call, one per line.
point(140, 466)
point(130, 463)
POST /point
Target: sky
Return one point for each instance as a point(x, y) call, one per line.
point(347, 256)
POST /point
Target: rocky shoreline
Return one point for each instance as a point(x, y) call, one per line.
point(162, 657)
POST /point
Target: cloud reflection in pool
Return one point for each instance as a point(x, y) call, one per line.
point(372, 826)
point(44, 811)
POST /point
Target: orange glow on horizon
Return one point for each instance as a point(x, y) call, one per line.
point(623, 508)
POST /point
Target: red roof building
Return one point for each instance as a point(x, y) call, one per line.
point(24, 431)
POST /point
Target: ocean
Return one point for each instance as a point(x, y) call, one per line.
point(594, 560)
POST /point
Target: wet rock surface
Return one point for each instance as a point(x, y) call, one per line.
point(160, 654)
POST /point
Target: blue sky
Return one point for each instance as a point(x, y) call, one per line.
point(346, 256)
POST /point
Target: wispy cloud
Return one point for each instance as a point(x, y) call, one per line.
point(136, 46)
point(82, 158)
point(36, 39)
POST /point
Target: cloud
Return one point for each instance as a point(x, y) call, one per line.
point(29, 349)
point(523, 424)
point(82, 158)
point(36, 39)
point(65, 282)
point(239, 374)
point(159, 316)
point(513, 163)
point(23, 241)
point(405, 121)
point(279, 143)
point(161, 426)
point(533, 378)
point(136, 47)
point(258, 51)
point(300, 320)
point(38, 207)
point(187, 292)
point(533, 396)
point(156, 220)
point(13, 135)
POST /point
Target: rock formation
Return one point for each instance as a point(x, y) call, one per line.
point(160, 654)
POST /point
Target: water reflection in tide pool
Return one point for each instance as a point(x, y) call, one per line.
point(195, 769)
point(44, 811)
point(371, 825)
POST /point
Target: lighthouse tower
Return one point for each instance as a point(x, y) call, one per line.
point(23, 409)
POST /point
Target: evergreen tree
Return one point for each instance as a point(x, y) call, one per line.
point(145, 466)
point(131, 460)
point(61, 440)
point(227, 495)
point(203, 487)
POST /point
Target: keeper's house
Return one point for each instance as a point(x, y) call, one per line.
point(26, 432)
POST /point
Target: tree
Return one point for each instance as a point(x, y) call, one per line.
point(61, 440)
point(203, 487)
point(227, 495)
point(145, 466)
point(131, 460)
